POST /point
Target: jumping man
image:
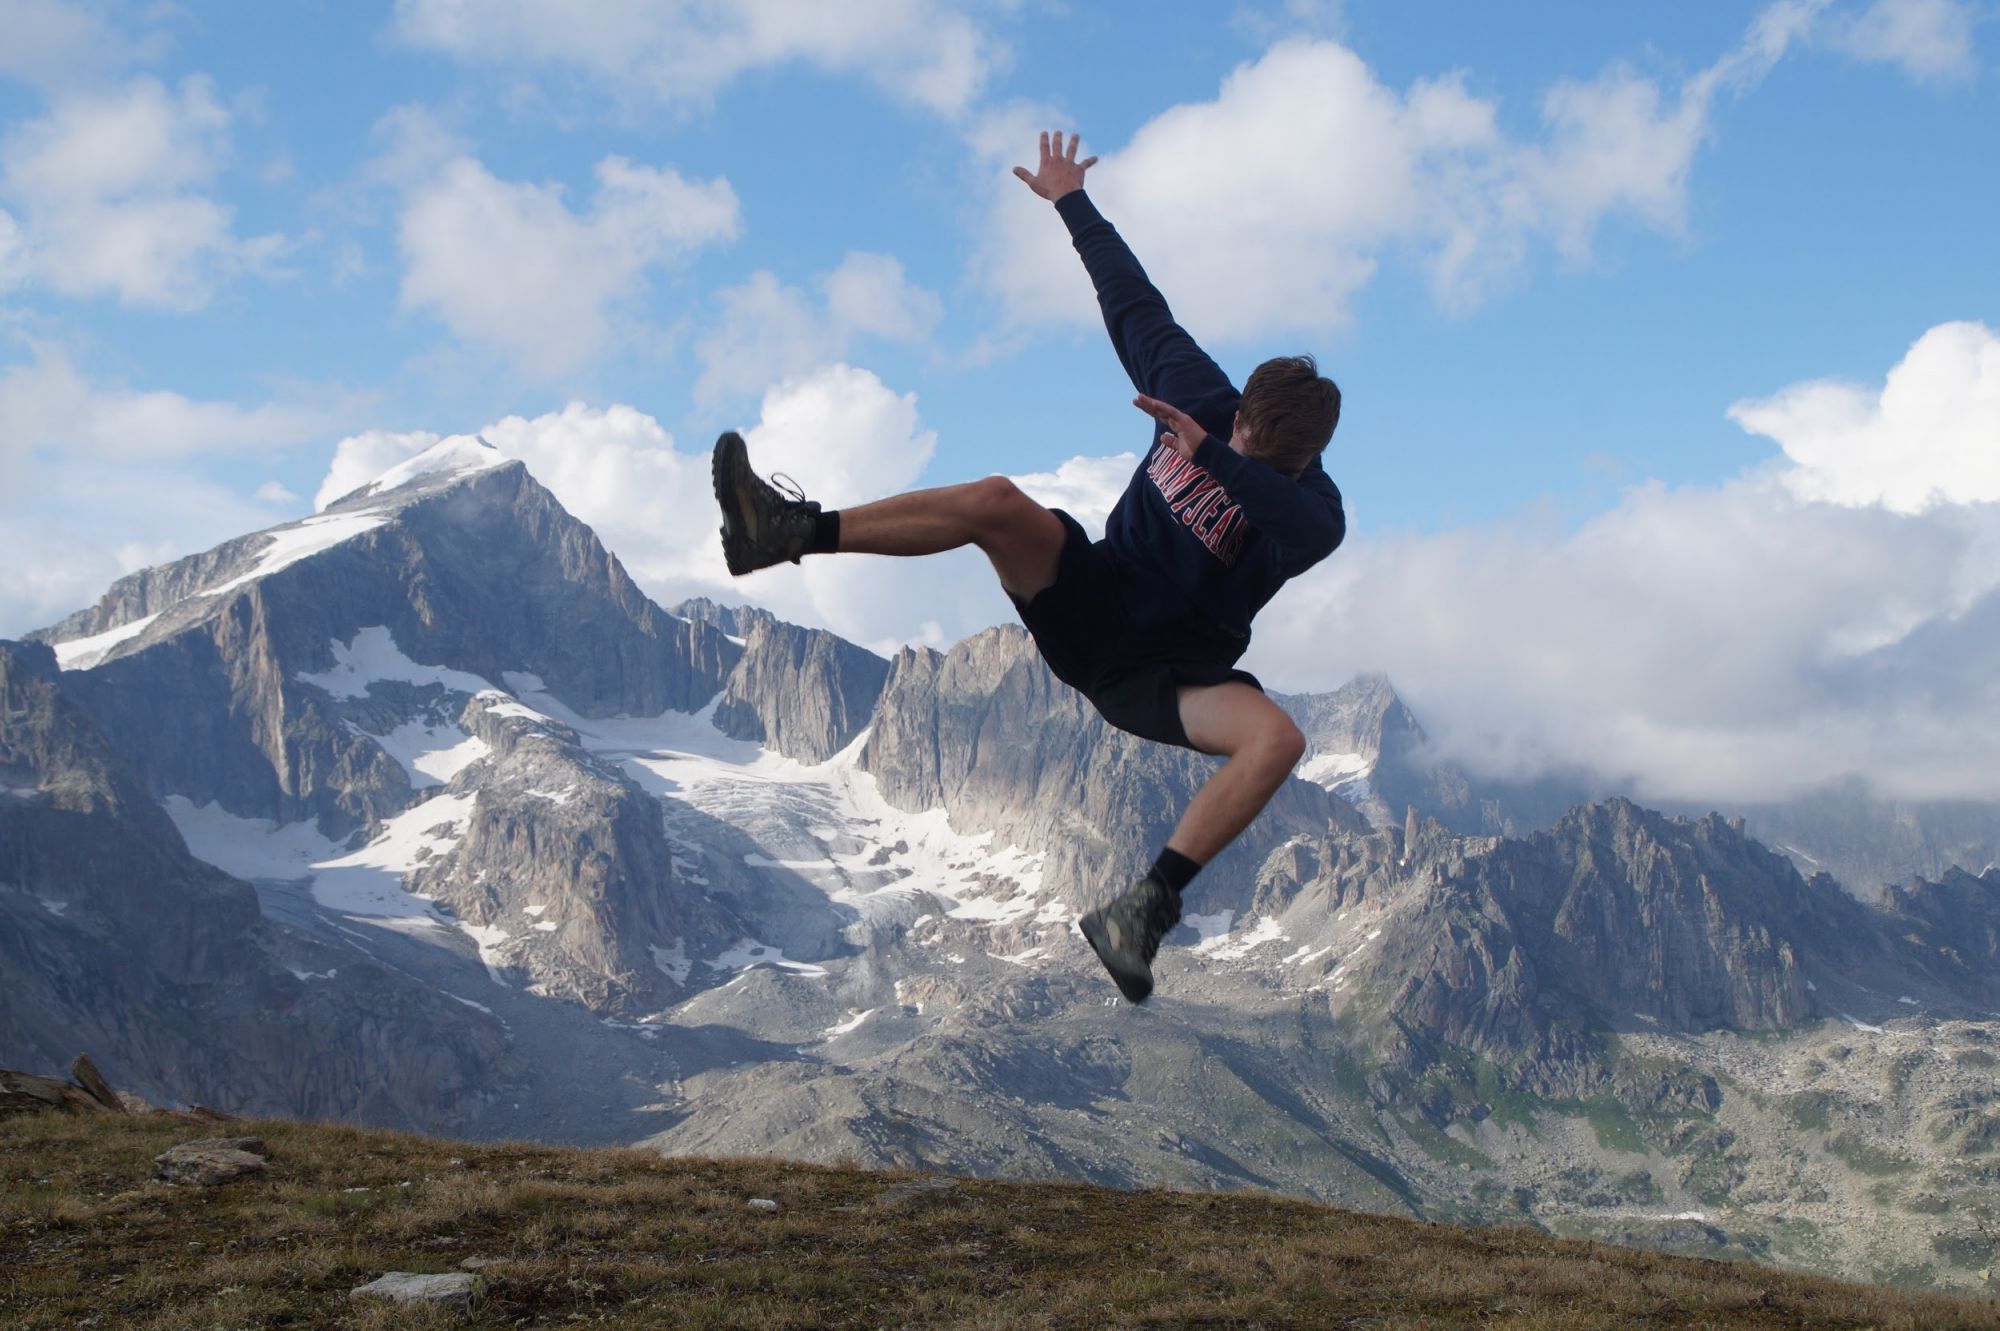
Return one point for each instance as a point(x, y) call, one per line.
point(1148, 623)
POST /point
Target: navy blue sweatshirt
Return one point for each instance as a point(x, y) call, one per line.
point(1201, 544)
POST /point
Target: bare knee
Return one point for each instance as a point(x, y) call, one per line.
point(996, 505)
point(1279, 745)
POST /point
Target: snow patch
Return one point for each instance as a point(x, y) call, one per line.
point(83, 653)
point(1227, 949)
point(683, 757)
point(503, 704)
point(673, 962)
point(851, 1023)
point(249, 847)
point(468, 1002)
point(1334, 770)
point(327, 974)
point(309, 537)
point(1209, 927)
point(749, 952)
point(489, 939)
point(372, 657)
point(431, 754)
point(370, 880)
point(1861, 1025)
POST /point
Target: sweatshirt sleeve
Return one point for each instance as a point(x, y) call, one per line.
point(1303, 515)
point(1157, 353)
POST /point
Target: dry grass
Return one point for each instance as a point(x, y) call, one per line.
point(626, 1239)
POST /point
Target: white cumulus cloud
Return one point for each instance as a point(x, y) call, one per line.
point(1809, 619)
point(510, 265)
point(1085, 488)
point(843, 434)
point(681, 52)
point(110, 192)
point(1265, 209)
point(1929, 436)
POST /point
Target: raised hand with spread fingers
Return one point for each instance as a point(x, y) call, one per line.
point(1059, 173)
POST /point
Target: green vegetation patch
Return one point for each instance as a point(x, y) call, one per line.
point(1442, 1146)
point(1867, 1158)
point(1613, 1126)
point(1811, 1109)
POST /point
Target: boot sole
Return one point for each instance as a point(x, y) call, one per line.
point(1135, 984)
point(729, 457)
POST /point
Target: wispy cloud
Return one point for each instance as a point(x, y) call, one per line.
point(768, 331)
point(682, 53)
point(1929, 40)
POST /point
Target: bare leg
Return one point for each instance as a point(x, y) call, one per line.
point(1021, 538)
point(1262, 745)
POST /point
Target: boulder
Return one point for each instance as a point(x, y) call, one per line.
point(87, 1076)
point(415, 1289)
point(22, 1092)
point(206, 1163)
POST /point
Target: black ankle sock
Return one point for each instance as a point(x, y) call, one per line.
point(1174, 869)
point(826, 533)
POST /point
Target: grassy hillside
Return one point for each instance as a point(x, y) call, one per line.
point(625, 1239)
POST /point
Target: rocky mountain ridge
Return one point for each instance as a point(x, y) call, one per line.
point(115, 939)
point(734, 885)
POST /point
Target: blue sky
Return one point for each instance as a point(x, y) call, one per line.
point(1556, 255)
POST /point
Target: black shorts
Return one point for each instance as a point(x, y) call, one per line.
point(1130, 675)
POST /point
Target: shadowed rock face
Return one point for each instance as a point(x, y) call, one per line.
point(482, 570)
point(1617, 918)
point(1952, 929)
point(1694, 925)
point(803, 692)
point(113, 939)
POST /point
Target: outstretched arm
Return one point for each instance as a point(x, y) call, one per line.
point(1157, 353)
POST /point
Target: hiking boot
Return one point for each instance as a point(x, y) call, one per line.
point(1126, 933)
point(761, 525)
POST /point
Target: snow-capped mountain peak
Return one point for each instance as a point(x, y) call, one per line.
point(456, 455)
